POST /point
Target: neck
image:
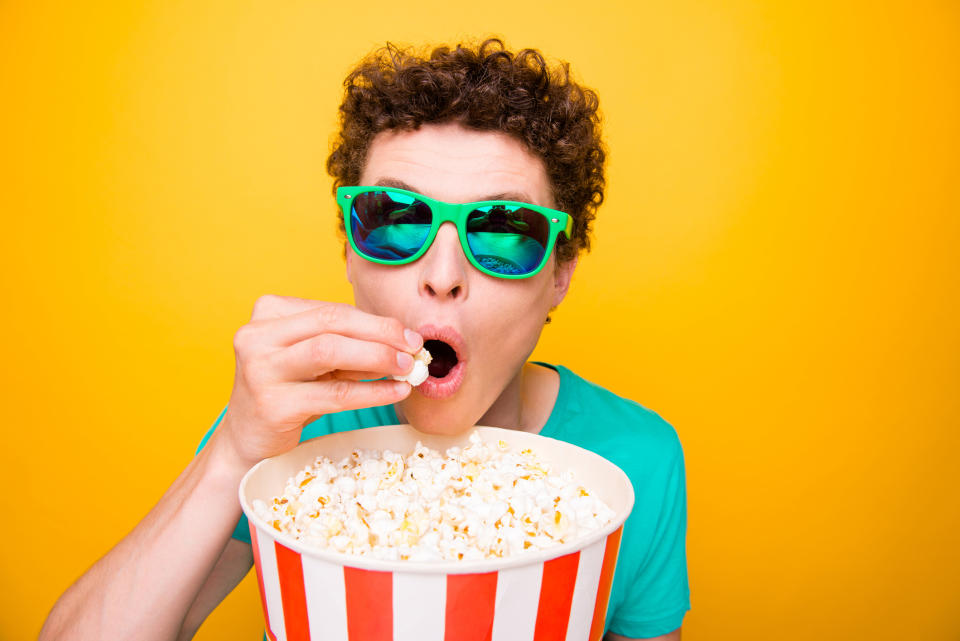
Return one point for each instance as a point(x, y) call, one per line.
point(526, 402)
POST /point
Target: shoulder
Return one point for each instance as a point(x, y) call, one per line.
point(651, 569)
point(633, 436)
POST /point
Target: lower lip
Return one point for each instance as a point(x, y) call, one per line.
point(445, 387)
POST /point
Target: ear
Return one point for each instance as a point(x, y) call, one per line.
point(562, 275)
point(348, 255)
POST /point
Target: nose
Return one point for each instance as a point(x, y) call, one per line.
point(443, 269)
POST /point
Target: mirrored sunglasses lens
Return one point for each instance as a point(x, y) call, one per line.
point(389, 226)
point(508, 240)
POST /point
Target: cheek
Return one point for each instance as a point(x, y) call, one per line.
point(364, 288)
point(512, 320)
point(378, 289)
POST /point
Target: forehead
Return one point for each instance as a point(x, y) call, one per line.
point(452, 163)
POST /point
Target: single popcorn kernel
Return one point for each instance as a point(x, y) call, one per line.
point(420, 371)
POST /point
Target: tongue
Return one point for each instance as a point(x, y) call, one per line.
point(444, 358)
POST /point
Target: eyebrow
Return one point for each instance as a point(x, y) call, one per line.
point(515, 196)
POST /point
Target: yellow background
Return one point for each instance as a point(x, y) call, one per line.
point(774, 271)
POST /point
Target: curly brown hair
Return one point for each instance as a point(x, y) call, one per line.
point(483, 87)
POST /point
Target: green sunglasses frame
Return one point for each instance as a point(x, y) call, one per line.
point(455, 213)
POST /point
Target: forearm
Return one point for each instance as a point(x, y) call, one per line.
point(144, 586)
point(296, 360)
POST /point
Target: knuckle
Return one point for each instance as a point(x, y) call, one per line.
point(329, 315)
point(264, 304)
point(243, 338)
point(391, 327)
point(322, 349)
point(341, 391)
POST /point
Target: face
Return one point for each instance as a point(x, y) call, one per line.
point(488, 326)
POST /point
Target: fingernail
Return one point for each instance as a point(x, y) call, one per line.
point(405, 361)
point(403, 388)
point(414, 340)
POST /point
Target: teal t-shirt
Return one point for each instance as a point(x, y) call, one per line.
point(650, 593)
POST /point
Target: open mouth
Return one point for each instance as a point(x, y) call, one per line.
point(444, 358)
point(448, 367)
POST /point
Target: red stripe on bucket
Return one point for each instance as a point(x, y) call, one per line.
point(556, 595)
point(606, 582)
point(292, 594)
point(256, 563)
point(471, 599)
point(369, 604)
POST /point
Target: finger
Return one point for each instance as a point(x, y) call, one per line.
point(273, 306)
point(326, 397)
point(313, 357)
point(338, 318)
point(348, 375)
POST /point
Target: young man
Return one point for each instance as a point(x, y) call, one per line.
point(420, 135)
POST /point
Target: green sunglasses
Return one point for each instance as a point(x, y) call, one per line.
point(501, 238)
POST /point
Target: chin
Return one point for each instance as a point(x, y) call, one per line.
point(436, 417)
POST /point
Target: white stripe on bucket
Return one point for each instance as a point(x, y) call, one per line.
point(585, 591)
point(518, 594)
point(326, 598)
point(271, 585)
point(419, 606)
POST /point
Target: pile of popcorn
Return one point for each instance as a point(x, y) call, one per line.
point(476, 502)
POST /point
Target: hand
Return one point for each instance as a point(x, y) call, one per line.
point(298, 359)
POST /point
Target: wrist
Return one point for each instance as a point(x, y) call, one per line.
point(223, 459)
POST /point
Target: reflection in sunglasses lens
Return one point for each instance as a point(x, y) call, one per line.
point(507, 240)
point(389, 226)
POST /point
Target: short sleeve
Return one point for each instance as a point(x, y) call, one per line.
point(242, 531)
point(657, 596)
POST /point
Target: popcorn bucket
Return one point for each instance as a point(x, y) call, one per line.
point(544, 595)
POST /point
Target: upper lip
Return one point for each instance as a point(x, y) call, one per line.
point(447, 334)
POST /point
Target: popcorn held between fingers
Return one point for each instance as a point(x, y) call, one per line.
point(420, 372)
point(477, 502)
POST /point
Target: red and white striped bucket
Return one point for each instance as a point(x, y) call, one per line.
point(555, 594)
